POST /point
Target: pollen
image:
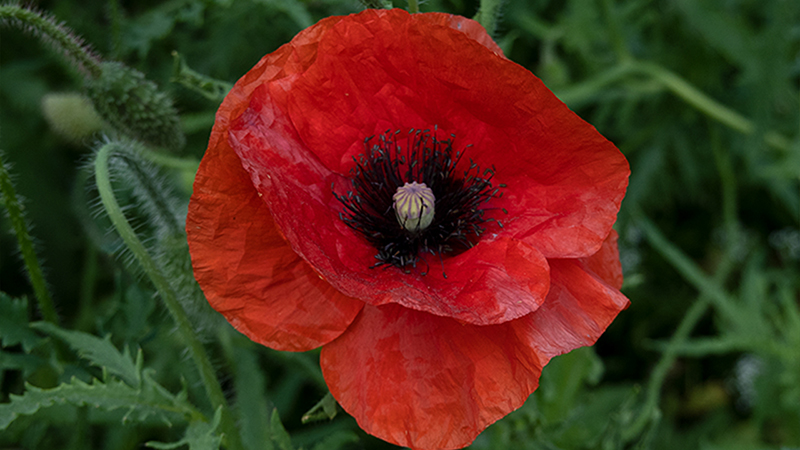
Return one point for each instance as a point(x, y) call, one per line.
point(414, 206)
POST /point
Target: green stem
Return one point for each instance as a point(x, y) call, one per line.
point(48, 28)
point(584, 92)
point(198, 353)
point(168, 161)
point(488, 15)
point(615, 31)
point(710, 293)
point(413, 6)
point(728, 179)
point(17, 218)
point(653, 393)
point(151, 196)
point(696, 98)
point(687, 268)
point(115, 16)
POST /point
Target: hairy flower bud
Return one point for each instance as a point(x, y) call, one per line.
point(134, 105)
point(71, 115)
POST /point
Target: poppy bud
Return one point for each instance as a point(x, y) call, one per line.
point(134, 105)
point(71, 115)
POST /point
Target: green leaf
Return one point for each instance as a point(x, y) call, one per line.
point(200, 435)
point(279, 434)
point(563, 380)
point(210, 88)
point(151, 400)
point(100, 352)
point(25, 362)
point(324, 409)
point(14, 323)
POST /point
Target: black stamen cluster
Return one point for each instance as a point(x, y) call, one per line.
point(459, 219)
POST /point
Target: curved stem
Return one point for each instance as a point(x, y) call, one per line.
point(585, 91)
point(198, 353)
point(168, 161)
point(15, 214)
point(50, 30)
point(150, 194)
point(696, 98)
point(710, 294)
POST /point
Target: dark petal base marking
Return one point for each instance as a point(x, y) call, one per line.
point(460, 218)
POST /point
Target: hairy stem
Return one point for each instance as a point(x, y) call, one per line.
point(489, 14)
point(51, 31)
point(196, 349)
point(15, 214)
point(150, 195)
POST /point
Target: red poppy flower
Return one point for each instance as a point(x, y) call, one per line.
point(510, 266)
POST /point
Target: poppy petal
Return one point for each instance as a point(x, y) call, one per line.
point(246, 268)
point(497, 281)
point(565, 181)
point(469, 27)
point(605, 263)
point(397, 370)
point(493, 282)
point(582, 303)
point(425, 381)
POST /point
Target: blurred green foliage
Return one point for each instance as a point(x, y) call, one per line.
point(702, 97)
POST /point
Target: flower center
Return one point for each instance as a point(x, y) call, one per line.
point(409, 199)
point(414, 206)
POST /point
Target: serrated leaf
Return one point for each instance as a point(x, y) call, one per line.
point(27, 363)
point(324, 409)
point(14, 323)
point(200, 435)
point(151, 400)
point(100, 352)
point(279, 434)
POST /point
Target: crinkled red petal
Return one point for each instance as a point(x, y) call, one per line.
point(493, 282)
point(427, 382)
point(248, 272)
point(584, 299)
point(399, 371)
point(605, 263)
point(389, 70)
point(288, 123)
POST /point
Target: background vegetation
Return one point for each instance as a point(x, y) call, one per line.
point(700, 95)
